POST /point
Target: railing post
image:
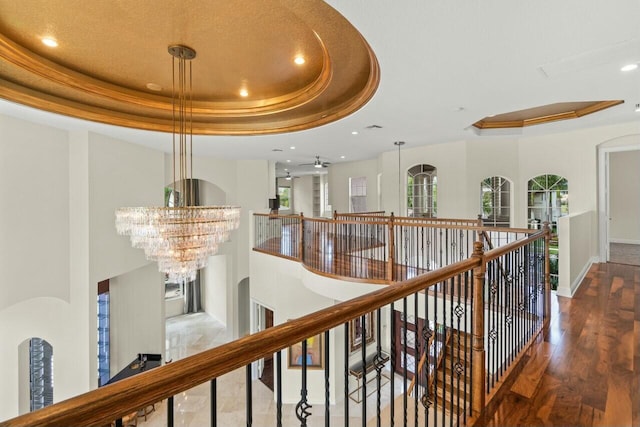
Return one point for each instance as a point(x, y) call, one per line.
point(478, 352)
point(392, 249)
point(301, 242)
point(547, 276)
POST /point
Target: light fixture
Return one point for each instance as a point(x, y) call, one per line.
point(48, 41)
point(317, 163)
point(355, 132)
point(629, 67)
point(288, 177)
point(299, 60)
point(637, 108)
point(181, 237)
point(244, 92)
point(399, 144)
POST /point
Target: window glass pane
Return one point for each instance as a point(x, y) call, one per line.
point(422, 191)
point(284, 193)
point(495, 196)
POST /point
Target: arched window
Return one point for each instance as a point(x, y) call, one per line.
point(548, 200)
point(41, 373)
point(495, 196)
point(422, 191)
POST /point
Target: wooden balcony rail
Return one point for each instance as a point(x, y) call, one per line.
point(489, 317)
point(375, 248)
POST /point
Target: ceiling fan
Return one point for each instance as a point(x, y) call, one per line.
point(317, 163)
point(288, 176)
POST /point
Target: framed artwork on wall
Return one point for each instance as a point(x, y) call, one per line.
point(357, 334)
point(315, 354)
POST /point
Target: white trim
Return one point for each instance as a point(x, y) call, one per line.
point(603, 196)
point(576, 283)
point(625, 241)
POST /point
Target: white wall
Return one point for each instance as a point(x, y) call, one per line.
point(303, 195)
point(136, 315)
point(624, 202)
point(34, 216)
point(339, 175)
point(214, 286)
point(574, 250)
point(276, 283)
point(37, 294)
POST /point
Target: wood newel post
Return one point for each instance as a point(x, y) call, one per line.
point(301, 242)
point(392, 249)
point(335, 215)
point(478, 352)
point(547, 276)
point(480, 224)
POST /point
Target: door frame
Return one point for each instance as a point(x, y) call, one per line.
point(604, 222)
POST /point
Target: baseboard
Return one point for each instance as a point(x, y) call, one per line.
point(576, 283)
point(625, 241)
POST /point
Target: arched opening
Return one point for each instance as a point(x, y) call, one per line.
point(422, 191)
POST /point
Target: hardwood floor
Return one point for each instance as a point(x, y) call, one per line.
point(586, 370)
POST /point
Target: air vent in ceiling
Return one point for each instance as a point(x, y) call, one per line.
point(374, 127)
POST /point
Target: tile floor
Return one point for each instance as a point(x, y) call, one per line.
point(193, 333)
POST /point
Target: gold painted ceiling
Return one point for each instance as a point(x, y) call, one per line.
point(110, 50)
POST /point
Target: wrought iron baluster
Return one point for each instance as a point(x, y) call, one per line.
point(302, 408)
point(363, 331)
point(416, 357)
point(327, 402)
point(214, 403)
point(405, 322)
point(170, 412)
point(379, 365)
point(346, 374)
point(249, 404)
point(279, 389)
point(393, 337)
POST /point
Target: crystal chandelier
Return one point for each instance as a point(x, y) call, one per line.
point(182, 237)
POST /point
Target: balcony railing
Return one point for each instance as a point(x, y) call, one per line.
point(466, 323)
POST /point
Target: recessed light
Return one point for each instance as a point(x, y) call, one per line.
point(48, 41)
point(154, 86)
point(292, 147)
point(285, 169)
point(629, 67)
point(299, 60)
point(244, 93)
point(288, 161)
point(355, 132)
point(342, 157)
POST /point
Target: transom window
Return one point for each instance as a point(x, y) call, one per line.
point(495, 194)
point(422, 191)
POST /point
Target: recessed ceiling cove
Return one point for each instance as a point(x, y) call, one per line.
point(260, 67)
point(544, 114)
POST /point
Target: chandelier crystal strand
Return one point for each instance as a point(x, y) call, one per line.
point(180, 238)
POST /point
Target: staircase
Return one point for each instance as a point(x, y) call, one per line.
point(450, 383)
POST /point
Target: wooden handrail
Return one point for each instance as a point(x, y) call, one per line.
point(501, 250)
point(103, 405)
